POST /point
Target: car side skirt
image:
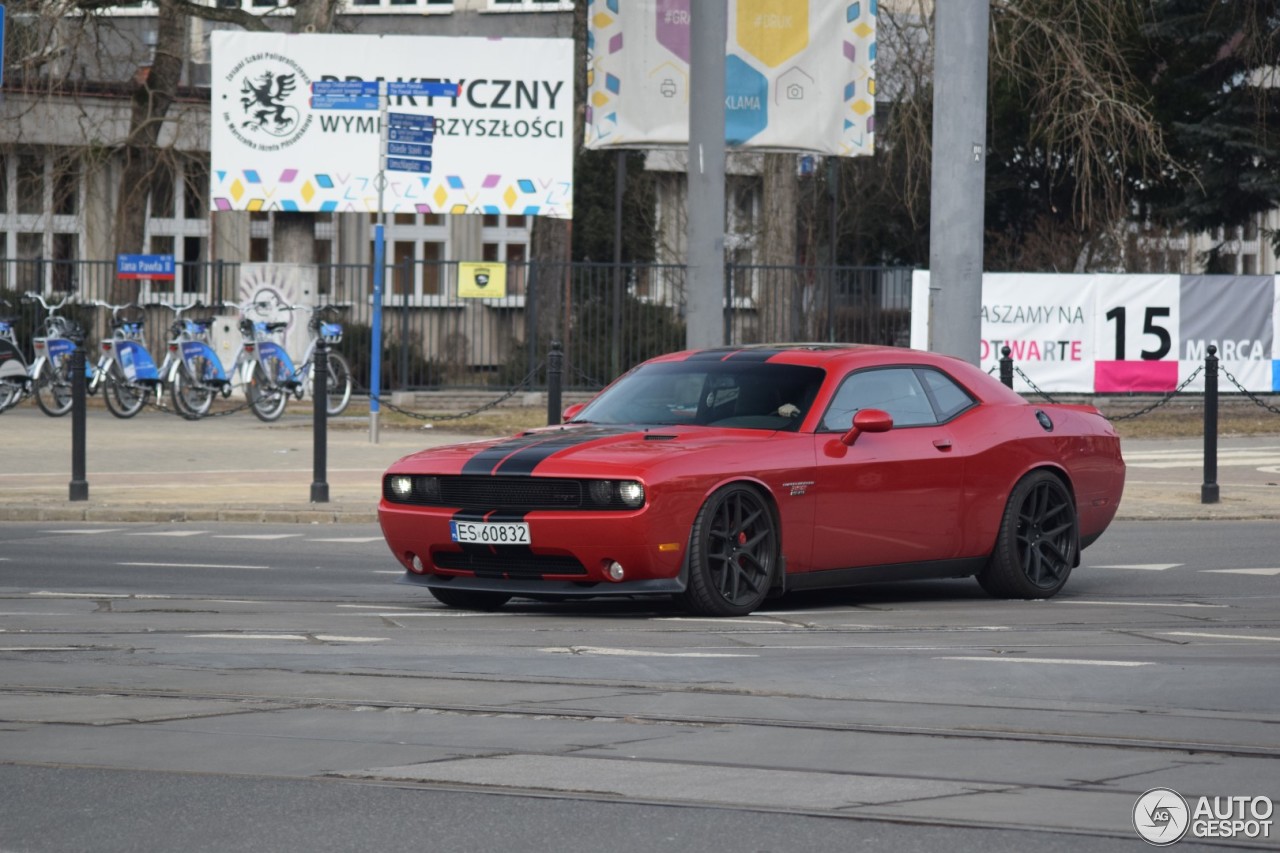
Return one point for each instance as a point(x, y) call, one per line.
point(961, 568)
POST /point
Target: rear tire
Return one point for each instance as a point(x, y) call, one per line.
point(465, 599)
point(266, 394)
point(1038, 541)
point(53, 388)
point(124, 399)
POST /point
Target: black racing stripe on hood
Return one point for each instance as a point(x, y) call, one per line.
point(486, 460)
point(525, 459)
point(713, 354)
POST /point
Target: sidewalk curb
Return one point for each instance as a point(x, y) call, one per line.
point(265, 515)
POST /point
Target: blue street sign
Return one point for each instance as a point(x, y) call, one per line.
point(406, 149)
point(421, 89)
point(410, 121)
point(410, 134)
point(345, 88)
point(399, 164)
point(144, 266)
point(344, 95)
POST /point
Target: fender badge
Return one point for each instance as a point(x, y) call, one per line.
point(798, 488)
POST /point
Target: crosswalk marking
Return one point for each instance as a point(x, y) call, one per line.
point(89, 532)
point(1263, 572)
point(354, 540)
point(1069, 661)
point(191, 566)
point(1194, 458)
point(1221, 636)
point(261, 536)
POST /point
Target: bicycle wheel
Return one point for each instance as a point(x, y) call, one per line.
point(53, 388)
point(267, 397)
point(10, 392)
point(124, 399)
point(338, 384)
point(191, 396)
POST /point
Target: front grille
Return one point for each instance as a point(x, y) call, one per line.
point(500, 565)
point(516, 494)
point(510, 493)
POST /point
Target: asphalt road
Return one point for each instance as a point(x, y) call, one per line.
point(269, 687)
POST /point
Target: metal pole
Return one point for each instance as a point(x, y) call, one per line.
point(1209, 490)
point(708, 32)
point(959, 177)
point(555, 379)
point(79, 487)
point(379, 261)
point(320, 423)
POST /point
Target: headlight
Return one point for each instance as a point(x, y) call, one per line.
point(631, 493)
point(413, 488)
point(601, 492)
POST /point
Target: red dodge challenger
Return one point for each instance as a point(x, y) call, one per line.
point(723, 477)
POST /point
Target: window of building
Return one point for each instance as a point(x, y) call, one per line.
point(530, 6)
point(432, 261)
point(399, 6)
point(30, 180)
point(162, 192)
point(4, 185)
point(66, 186)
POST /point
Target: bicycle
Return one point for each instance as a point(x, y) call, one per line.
point(15, 381)
point(50, 373)
point(192, 368)
point(270, 374)
point(126, 371)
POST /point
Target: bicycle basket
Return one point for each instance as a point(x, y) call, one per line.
point(58, 327)
point(331, 332)
point(195, 329)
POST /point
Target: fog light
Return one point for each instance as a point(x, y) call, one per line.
point(615, 571)
point(402, 487)
point(417, 564)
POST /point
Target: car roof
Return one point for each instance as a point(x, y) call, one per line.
point(842, 357)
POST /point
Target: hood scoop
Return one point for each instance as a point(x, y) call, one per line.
point(658, 437)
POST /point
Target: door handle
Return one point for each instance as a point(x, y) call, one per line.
point(943, 444)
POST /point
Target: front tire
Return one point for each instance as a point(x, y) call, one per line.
point(53, 388)
point(192, 398)
point(466, 599)
point(124, 399)
point(1038, 541)
point(267, 396)
point(733, 554)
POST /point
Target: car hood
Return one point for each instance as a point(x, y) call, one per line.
point(580, 450)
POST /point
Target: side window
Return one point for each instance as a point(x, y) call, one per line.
point(949, 398)
point(895, 390)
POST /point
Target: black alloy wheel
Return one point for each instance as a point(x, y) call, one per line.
point(1038, 541)
point(733, 554)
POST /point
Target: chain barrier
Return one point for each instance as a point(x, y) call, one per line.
point(590, 381)
point(1034, 387)
point(1254, 397)
point(523, 385)
point(1161, 402)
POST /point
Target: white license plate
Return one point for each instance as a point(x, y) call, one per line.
point(490, 532)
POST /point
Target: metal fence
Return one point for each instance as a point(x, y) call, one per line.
point(608, 317)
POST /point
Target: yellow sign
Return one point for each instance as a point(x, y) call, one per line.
point(482, 280)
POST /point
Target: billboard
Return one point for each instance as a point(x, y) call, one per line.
point(502, 144)
point(799, 75)
point(1124, 333)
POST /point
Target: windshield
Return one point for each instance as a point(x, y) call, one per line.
point(744, 394)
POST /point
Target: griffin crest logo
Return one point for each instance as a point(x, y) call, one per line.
point(271, 90)
point(263, 99)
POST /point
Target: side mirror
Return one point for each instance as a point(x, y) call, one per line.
point(867, 420)
point(572, 411)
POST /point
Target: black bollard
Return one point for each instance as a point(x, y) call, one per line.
point(320, 423)
point(1209, 489)
point(555, 381)
point(1006, 366)
point(79, 488)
